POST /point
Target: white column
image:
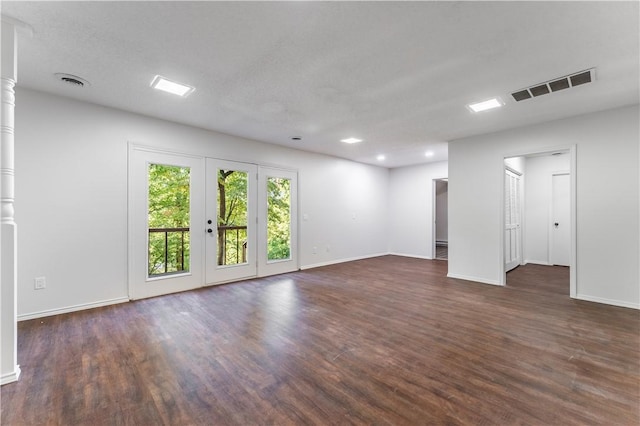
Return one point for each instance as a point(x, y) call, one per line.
point(10, 370)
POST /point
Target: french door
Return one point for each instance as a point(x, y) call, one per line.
point(199, 221)
point(165, 215)
point(231, 220)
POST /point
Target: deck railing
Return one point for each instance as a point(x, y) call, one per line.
point(179, 253)
point(238, 241)
point(231, 239)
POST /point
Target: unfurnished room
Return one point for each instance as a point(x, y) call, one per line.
point(327, 213)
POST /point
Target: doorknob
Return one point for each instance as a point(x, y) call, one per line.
point(556, 224)
point(209, 230)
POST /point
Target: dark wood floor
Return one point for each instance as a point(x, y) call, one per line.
point(388, 340)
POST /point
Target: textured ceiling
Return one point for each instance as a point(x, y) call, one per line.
point(396, 74)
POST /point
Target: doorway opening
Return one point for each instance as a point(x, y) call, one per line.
point(441, 224)
point(538, 224)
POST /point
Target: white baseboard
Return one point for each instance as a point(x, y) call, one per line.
point(74, 308)
point(334, 262)
point(474, 279)
point(620, 303)
point(538, 262)
point(10, 377)
point(415, 256)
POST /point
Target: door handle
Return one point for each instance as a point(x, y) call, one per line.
point(209, 230)
point(556, 224)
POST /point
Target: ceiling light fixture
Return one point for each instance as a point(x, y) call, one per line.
point(485, 105)
point(380, 157)
point(428, 154)
point(351, 140)
point(169, 86)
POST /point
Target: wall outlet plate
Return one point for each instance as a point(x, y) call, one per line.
point(39, 283)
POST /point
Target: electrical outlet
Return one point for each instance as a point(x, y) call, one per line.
point(39, 283)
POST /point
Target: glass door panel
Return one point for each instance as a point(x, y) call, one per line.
point(168, 224)
point(278, 235)
point(231, 218)
point(278, 218)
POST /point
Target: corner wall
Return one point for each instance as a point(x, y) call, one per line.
point(411, 212)
point(607, 175)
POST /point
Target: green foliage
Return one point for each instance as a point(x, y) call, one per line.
point(168, 200)
point(278, 218)
point(232, 187)
point(169, 196)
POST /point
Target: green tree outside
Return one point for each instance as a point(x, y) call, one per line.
point(168, 198)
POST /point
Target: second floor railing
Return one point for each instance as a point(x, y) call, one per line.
point(232, 244)
point(167, 254)
point(169, 248)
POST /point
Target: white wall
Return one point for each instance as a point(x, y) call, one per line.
point(71, 197)
point(608, 191)
point(411, 212)
point(537, 202)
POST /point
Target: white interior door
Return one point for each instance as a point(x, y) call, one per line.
point(165, 222)
point(231, 216)
point(560, 250)
point(512, 221)
point(278, 223)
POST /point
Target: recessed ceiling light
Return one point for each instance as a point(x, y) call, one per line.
point(485, 105)
point(351, 140)
point(428, 154)
point(380, 157)
point(166, 85)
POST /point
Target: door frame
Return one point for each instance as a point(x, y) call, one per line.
point(434, 213)
point(199, 226)
point(573, 269)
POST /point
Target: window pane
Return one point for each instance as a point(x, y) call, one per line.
point(168, 220)
point(278, 218)
point(232, 217)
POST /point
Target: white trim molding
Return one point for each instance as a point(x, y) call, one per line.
point(10, 377)
point(334, 262)
point(619, 303)
point(415, 256)
point(474, 279)
point(74, 308)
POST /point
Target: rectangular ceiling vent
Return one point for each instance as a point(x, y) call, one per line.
point(555, 85)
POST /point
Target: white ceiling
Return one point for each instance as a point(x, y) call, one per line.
point(396, 74)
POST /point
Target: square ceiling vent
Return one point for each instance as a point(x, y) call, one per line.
point(555, 85)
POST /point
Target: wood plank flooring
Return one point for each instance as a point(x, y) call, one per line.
point(383, 341)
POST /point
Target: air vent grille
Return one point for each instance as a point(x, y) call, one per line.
point(557, 84)
point(71, 79)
